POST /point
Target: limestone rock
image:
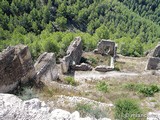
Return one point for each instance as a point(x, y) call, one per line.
point(45, 66)
point(103, 68)
point(153, 63)
point(82, 67)
point(16, 66)
point(13, 108)
point(153, 115)
point(73, 56)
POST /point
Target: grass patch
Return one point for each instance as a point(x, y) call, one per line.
point(102, 86)
point(127, 109)
point(89, 110)
point(70, 80)
point(146, 90)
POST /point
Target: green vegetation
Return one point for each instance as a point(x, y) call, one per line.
point(146, 90)
point(102, 86)
point(89, 110)
point(149, 90)
point(70, 80)
point(26, 93)
point(127, 109)
point(51, 25)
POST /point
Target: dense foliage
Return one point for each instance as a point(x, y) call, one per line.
point(49, 25)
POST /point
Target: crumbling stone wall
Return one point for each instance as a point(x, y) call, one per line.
point(154, 60)
point(73, 56)
point(45, 66)
point(16, 66)
point(106, 47)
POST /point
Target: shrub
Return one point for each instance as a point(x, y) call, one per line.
point(70, 80)
point(102, 86)
point(146, 90)
point(88, 110)
point(149, 90)
point(127, 109)
point(26, 93)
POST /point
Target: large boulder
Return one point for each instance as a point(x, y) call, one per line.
point(13, 108)
point(45, 66)
point(73, 56)
point(16, 66)
point(153, 63)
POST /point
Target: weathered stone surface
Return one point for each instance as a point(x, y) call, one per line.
point(156, 52)
point(73, 56)
point(103, 68)
point(45, 66)
point(153, 63)
point(82, 67)
point(153, 115)
point(106, 47)
point(13, 108)
point(16, 66)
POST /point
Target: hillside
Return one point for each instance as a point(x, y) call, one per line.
point(42, 24)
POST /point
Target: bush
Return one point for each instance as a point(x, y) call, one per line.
point(149, 90)
point(70, 80)
point(88, 110)
point(102, 86)
point(146, 90)
point(26, 93)
point(127, 109)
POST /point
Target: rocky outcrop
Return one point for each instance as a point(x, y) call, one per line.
point(154, 59)
point(13, 108)
point(106, 47)
point(45, 66)
point(73, 56)
point(16, 66)
point(104, 68)
point(82, 67)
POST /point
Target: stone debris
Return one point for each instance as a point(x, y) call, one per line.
point(13, 108)
point(45, 66)
point(16, 66)
point(82, 67)
point(73, 56)
point(104, 68)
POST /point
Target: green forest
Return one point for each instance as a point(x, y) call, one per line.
point(50, 25)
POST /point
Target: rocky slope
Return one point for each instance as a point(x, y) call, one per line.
point(13, 108)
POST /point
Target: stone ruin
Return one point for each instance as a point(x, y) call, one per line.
point(45, 67)
point(73, 56)
point(106, 47)
point(154, 59)
point(16, 66)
